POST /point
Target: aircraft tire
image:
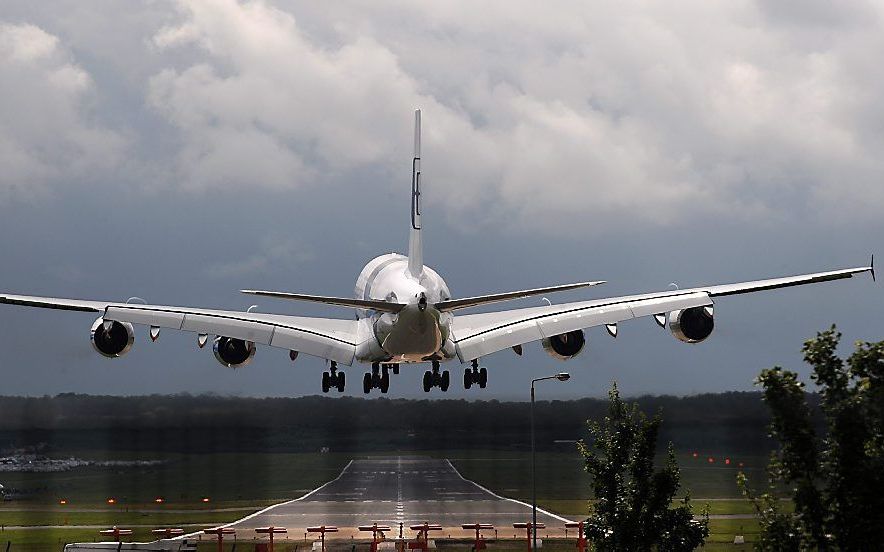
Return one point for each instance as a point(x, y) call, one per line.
point(428, 381)
point(467, 378)
point(342, 381)
point(395, 369)
point(385, 382)
point(366, 383)
point(326, 382)
point(483, 377)
point(446, 381)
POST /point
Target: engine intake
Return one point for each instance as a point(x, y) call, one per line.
point(232, 352)
point(565, 346)
point(692, 325)
point(110, 338)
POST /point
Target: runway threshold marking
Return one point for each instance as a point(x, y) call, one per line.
point(492, 493)
point(258, 513)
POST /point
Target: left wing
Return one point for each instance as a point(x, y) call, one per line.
point(477, 335)
point(328, 338)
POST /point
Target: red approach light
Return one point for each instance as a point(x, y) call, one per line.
point(159, 500)
point(112, 501)
point(711, 460)
point(62, 502)
point(205, 499)
point(696, 454)
point(727, 461)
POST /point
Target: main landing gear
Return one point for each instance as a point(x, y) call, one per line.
point(435, 379)
point(475, 375)
point(379, 378)
point(333, 378)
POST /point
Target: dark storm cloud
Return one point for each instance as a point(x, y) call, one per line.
point(184, 150)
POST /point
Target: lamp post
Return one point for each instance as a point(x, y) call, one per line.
point(561, 376)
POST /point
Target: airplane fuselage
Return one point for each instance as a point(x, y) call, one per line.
point(418, 332)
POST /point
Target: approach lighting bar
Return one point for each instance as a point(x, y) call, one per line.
point(374, 527)
point(426, 527)
point(168, 532)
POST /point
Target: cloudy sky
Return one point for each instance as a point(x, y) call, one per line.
point(180, 150)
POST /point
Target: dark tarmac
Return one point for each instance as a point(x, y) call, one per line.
point(399, 490)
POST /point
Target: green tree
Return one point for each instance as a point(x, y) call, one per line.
point(633, 508)
point(836, 479)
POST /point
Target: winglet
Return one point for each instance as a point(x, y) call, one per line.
point(872, 268)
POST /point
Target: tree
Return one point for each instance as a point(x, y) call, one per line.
point(633, 509)
point(836, 479)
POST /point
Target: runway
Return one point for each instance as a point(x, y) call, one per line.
point(399, 490)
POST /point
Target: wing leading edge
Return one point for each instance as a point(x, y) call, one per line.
point(477, 335)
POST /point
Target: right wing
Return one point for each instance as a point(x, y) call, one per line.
point(327, 338)
point(477, 335)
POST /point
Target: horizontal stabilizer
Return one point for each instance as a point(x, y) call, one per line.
point(382, 306)
point(455, 304)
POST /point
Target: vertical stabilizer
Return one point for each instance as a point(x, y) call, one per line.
point(415, 246)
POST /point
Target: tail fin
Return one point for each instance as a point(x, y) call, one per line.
point(415, 246)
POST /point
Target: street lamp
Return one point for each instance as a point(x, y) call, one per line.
point(561, 376)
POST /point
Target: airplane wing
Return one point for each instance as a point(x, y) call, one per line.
point(477, 335)
point(328, 338)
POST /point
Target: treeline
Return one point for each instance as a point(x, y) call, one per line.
point(733, 420)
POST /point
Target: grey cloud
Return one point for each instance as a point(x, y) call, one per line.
point(47, 132)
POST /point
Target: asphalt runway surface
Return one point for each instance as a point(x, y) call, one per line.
point(399, 490)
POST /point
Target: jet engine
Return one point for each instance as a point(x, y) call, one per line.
point(565, 346)
point(692, 325)
point(110, 338)
point(232, 352)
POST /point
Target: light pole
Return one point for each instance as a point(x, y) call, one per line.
point(561, 376)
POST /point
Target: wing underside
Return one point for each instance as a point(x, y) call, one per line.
point(477, 335)
point(329, 338)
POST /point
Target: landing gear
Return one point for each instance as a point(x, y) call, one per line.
point(379, 378)
point(475, 375)
point(333, 378)
point(391, 366)
point(435, 379)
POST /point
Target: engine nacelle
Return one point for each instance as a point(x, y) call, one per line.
point(692, 325)
point(111, 339)
point(565, 346)
point(232, 352)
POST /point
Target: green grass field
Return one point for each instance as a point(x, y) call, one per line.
point(237, 484)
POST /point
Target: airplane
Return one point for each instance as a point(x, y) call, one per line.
point(405, 313)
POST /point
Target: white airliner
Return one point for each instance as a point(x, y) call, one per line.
point(405, 314)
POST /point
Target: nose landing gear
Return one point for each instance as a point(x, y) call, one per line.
point(333, 378)
point(379, 378)
point(475, 375)
point(435, 379)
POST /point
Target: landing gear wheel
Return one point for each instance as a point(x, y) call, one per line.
point(385, 382)
point(446, 380)
point(483, 377)
point(366, 383)
point(395, 369)
point(428, 381)
point(342, 380)
point(326, 382)
point(467, 378)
